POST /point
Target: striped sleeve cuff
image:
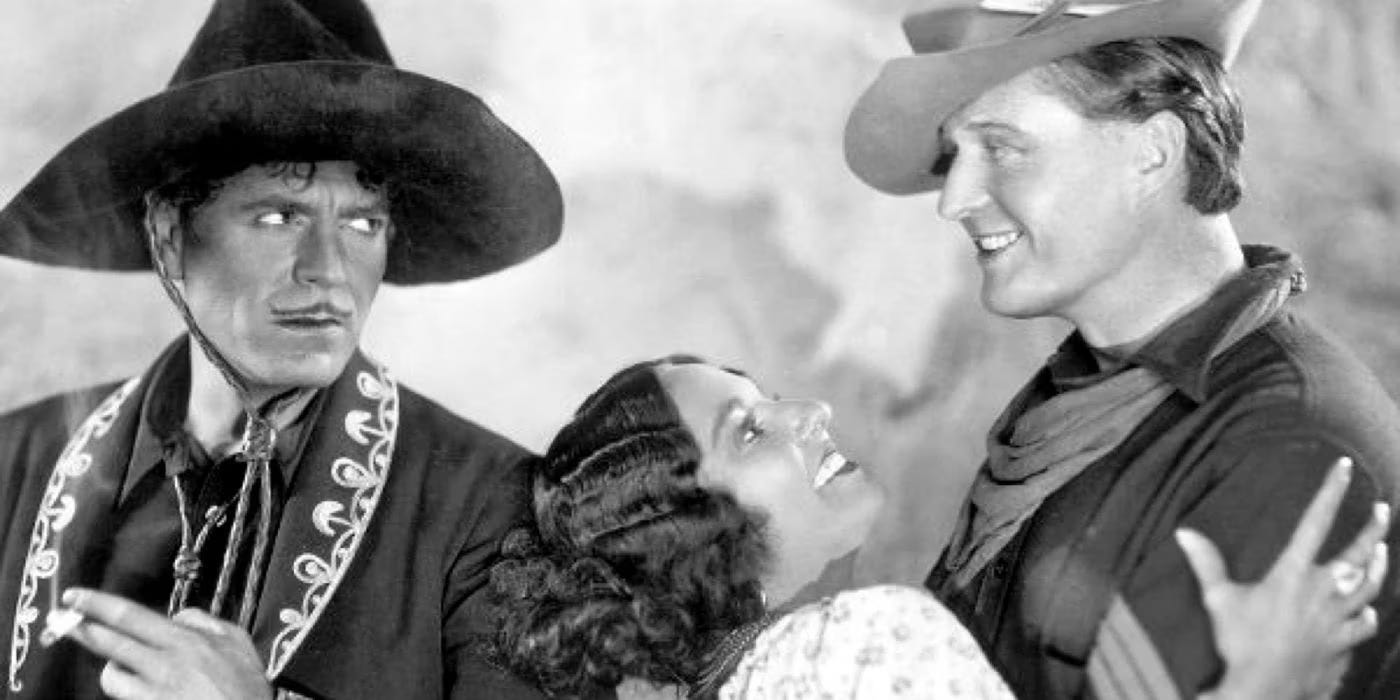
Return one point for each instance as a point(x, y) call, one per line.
point(1125, 664)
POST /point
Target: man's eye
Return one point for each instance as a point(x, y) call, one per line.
point(370, 226)
point(1002, 151)
point(274, 218)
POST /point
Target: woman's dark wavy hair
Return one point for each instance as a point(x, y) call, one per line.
point(1134, 79)
point(634, 569)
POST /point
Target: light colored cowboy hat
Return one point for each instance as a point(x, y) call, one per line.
point(299, 80)
point(964, 48)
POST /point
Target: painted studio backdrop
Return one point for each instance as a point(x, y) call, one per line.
point(708, 209)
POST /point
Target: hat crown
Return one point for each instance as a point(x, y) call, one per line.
point(967, 24)
point(963, 50)
point(242, 33)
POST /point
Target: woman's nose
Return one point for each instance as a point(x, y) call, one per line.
point(808, 418)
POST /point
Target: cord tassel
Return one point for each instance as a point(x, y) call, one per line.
point(235, 539)
point(260, 547)
point(259, 437)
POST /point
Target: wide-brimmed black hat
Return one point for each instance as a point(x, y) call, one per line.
point(298, 80)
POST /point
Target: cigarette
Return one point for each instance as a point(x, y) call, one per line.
point(58, 623)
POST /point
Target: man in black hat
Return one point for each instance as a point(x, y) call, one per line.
point(1091, 153)
point(310, 526)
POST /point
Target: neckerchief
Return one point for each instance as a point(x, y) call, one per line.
point(1032, 452)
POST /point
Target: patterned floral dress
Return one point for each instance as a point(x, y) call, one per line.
point(876, 642)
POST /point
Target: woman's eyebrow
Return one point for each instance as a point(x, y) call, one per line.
point(737, 372)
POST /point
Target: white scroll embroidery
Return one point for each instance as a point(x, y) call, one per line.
point(55, 511)
point(322, 575)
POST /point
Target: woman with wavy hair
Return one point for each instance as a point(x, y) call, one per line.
point(682, 508)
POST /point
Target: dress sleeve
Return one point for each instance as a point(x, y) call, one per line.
point(877, 642)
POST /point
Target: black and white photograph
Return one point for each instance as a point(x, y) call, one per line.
point(741, 349)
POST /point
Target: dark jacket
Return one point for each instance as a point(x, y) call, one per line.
point(1236, 453)
point(374, 584)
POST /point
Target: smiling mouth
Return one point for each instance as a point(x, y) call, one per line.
point(833, 464)
point(992, 244)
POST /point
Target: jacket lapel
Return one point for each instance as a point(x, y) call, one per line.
point(337, 486)
point(74, 516)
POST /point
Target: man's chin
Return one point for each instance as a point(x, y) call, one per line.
point(314, 371)
point(1010, 305)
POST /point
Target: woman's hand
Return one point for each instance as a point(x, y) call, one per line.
point(1291, 634)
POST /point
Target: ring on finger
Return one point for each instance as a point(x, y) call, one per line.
point(1346, 577)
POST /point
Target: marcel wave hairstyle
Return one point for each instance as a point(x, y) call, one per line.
point(633, 568)
point(1134, 79)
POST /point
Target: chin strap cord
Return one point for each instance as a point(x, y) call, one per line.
point(255, 451)
point(1046, 16)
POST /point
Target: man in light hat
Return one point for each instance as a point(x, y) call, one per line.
point(1091, 152)
point(310, 526)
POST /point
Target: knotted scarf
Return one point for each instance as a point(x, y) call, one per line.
point(1033, 452)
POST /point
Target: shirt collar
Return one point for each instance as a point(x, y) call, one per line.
point(1182, 352)
point(161, 440)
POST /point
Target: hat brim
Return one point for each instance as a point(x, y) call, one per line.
point(468, 195)
point(891, 139)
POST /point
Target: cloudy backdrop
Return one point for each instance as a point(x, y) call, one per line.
point(709, 210)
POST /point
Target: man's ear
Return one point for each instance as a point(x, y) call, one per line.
point(1162, 144)
point(163, 230)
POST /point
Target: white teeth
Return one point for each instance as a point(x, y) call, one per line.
point(827, 470)
point(991, 244)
